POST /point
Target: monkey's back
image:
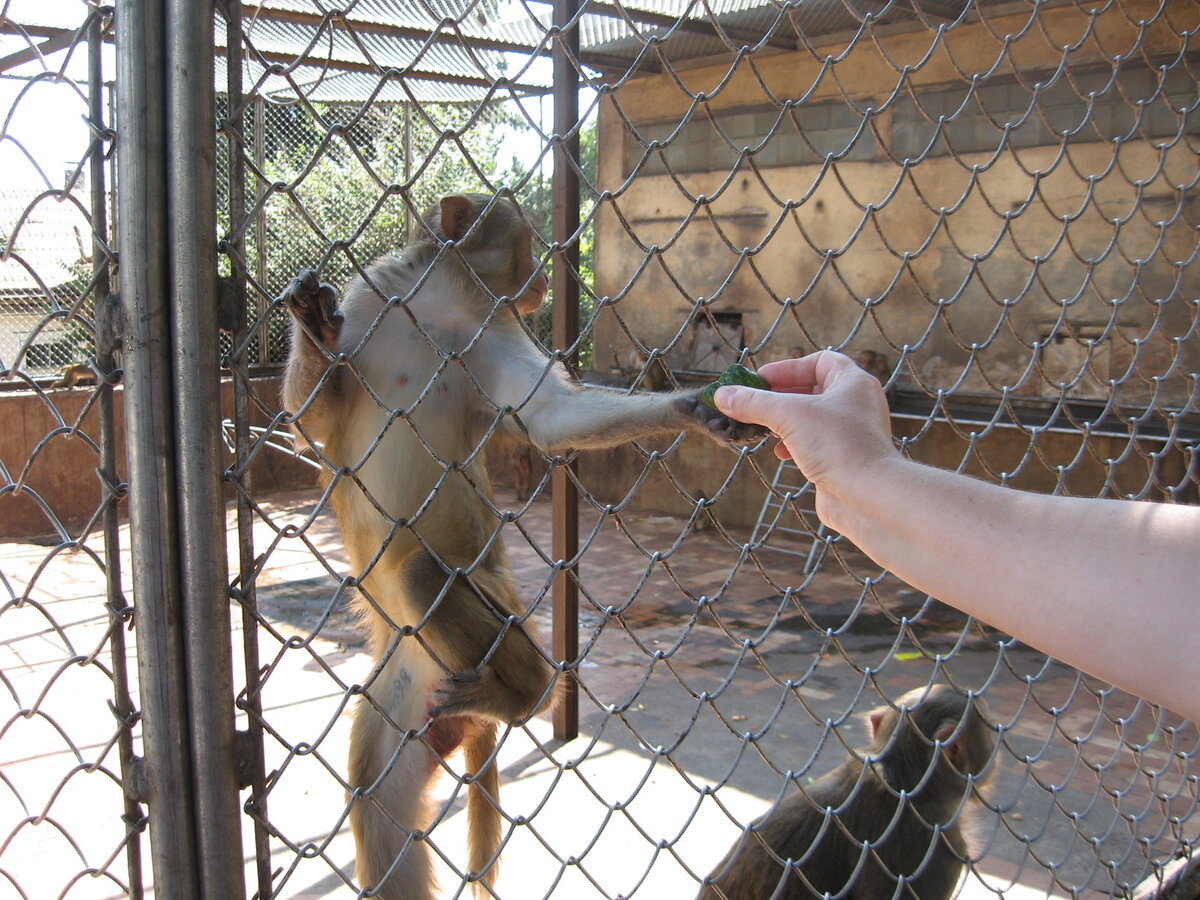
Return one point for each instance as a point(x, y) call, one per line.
point(822, 830)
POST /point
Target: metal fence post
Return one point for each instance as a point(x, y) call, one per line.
point(168, 281)
point(106, 362)
point(565, 324)
point(195, 319)
point(150, 441)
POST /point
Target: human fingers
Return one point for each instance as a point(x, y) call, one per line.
point(811, 374)
point(755, 406)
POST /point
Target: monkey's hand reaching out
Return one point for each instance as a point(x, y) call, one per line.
point(718, 425)
point(314, 305)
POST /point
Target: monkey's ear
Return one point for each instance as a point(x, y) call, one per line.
point(954, 750)
point(457, 216)
point(875, 720)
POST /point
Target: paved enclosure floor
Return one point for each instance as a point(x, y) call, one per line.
point(687, 727)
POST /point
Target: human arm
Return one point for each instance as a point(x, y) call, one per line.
point(1109, 586)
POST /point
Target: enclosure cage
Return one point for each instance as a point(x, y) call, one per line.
point(990, 204)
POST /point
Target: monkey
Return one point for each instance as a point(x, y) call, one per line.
point(931, 748)
point(874, 362)
point(75, 375)
point(397, 388)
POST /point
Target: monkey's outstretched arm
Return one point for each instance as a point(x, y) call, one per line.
point(567, 416)
point(560, 415)
point(316, 327)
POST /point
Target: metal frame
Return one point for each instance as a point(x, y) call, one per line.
point(168, 289)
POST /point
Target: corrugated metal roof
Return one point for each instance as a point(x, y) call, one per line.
point(455, 50)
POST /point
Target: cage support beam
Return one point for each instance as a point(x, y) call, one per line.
point(168, 290)
point(565, 326)
point(196, 357)
point(149, 428)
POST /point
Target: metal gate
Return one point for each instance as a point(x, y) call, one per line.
point(992, 204)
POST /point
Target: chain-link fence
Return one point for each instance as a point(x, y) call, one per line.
point(69, 734)
point(991, 205)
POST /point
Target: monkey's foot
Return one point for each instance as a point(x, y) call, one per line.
point(314, 304)
point(719, 425)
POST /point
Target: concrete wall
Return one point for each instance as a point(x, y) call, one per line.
point(56, 435)
point(1014, 260)
point(1089, 240)
point(63, 468)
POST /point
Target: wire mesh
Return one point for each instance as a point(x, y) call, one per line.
point(70, 823)
point(990, 205)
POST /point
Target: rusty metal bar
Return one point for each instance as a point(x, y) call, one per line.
point(565, 325)
point(195, 319)
point(141, 42)
point(32, 52)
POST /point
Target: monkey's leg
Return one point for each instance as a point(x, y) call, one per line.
point(393, 773)
point(495, 668)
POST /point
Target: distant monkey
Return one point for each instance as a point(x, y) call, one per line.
point(399, 388)
point(874, 362)
point(75, 375)
point(822, 830)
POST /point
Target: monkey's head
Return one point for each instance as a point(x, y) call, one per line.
point(927, 717)
point(496, 243)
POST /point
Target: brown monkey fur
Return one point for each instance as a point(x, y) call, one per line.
point(822, 829)
point(398, 388)
point(75, 375)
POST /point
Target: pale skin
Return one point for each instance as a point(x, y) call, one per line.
point(1108, 586)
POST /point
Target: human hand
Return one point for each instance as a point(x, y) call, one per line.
point(831, 416)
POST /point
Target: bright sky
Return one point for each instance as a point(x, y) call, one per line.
point(43, 109)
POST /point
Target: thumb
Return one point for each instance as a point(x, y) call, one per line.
point(744, 404)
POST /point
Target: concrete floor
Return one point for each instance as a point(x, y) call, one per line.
point(686, 652)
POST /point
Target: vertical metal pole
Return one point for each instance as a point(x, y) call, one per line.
point(260, 162)
point(191, 146)
point(150, 439)
point(254, 766)
point(119, 611)
point(565, 326)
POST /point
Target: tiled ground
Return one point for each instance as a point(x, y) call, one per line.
point(686, 724)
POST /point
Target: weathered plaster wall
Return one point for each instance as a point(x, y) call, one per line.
point(959, 270)
point(930, 256)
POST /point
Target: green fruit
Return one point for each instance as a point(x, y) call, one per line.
point(735, 374)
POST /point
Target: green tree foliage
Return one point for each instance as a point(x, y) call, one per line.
point(341, 185)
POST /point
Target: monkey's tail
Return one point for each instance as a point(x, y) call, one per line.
point(483, 799)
